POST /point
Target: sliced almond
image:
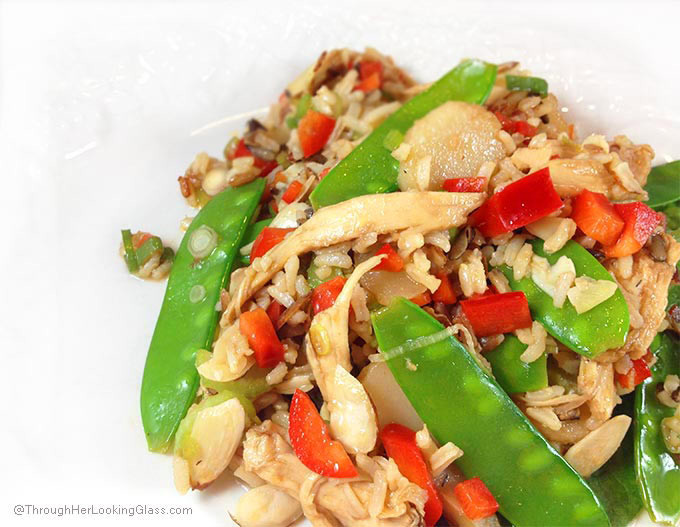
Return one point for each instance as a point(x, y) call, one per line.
point(595, 449)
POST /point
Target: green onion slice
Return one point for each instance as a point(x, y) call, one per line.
point(148, 249)
point(393, 139)
point(130, 253)
point(196, 294)
point(202, 242)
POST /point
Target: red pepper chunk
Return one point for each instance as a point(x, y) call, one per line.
point(257, 327)
point(370, 75)
point(596, 217)
point(274, 311)
point(400, 445)
point(444, 293)
point(243, 151)
point(500, 313)
point(638, 373)
point(512, 127)
point(292, 192)
point(392, 261)
point(465, 184)
point(422, 299)
point(314, 129)
point(639, 223)
point(475, 499)
point(268, 238)
point(527, 200)
point(324, 295)
point(311, 441)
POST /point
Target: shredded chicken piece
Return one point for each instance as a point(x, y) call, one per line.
point(596, 380)
point(647, 290)
point(638, 157)
point(332, 502)
point(352, 417)
point(351, 219)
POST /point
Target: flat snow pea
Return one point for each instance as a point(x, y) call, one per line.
point(459, 402)
point(658, 471)
point(663, 185)
point(591, 333)
point(615, 484)
point(183, 327)
point(513, 374)
point(370, 167)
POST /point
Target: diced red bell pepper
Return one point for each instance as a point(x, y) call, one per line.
point(324, 173)
point(257, 327)
point(324, 295)
point(292, 192)
point(465, 184)
point(596, 217)
point(444, 293)
point(638, 373)
point(314, 129)
point(529, 199)
point(268, 238)
point(525, 129)
point(311, 441)
point(370, 75)
point(400, 445)
point(242, 151)
point(422, 299)
point(274, 311)
point(392, 262)
point(500, 313)
point(475, 499)
point(640, 221)
point(369, 84)
point(512, 126)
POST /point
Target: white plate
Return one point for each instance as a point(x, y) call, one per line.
point(98, 104)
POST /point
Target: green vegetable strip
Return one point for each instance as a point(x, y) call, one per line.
point(512, 373)
point(146, 250)
point(130, 253)
point(615, 484)
point(370, 167)
point(534, 85)
point(303, 105)
point(170, 377)
point(658, 472)
point(602, 328)
point(459, 402)
point(663, 185)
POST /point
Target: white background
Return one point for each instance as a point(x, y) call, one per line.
point(98, 101)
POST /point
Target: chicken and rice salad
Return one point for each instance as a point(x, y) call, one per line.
point(405, 304)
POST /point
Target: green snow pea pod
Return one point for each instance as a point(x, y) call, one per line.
point(534, 85)
point(459, 402)
point(513, 374)
point(658, 471)
point(602, 328)
point(663, 185)
point(183, 327)
point(370, 167)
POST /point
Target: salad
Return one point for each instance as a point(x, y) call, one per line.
point(404, 304)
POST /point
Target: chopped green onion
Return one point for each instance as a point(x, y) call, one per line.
point(282, 159)
point(202, 242)
point(130, 253)
point(168, 255)
point(196, 294)
point(230, 147)
point(148, 248)
point(393, 139)
point(303, 105)
point(534, 85)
